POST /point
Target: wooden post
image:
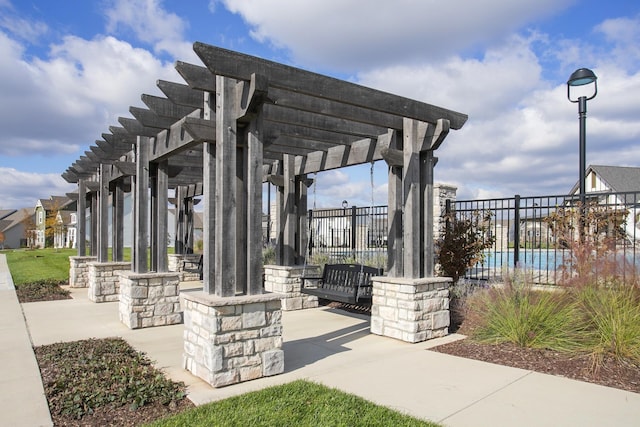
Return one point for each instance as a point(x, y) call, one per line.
point(302, 242)
point(427, 163)
point(209, 214)
point(394, 221)
point(93, 213)
point(153, 228)
point(81, 221)
point(412, 227)
point(289, 223)
point(179, 224)
point(117, 224)
point(226, 212)
point(254, 206)
point(161, 215)
point(141, 206)
point(103, 214)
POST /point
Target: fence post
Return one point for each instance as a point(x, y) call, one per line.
point(353, 232)
point(516, 232)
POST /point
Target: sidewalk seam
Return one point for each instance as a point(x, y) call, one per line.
point(485, 397)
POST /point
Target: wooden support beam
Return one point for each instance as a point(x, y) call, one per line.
point(240, 66)
point(161, 215)
point(136, 128)
point(163, 107)
point(81, 235)
point(412, 212)
point(254, 205)
point(197, 77)
point(141, 206)
point(149, 119)
point(181, 94)
point(103, 215)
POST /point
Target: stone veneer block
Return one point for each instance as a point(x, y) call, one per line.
point(411, 310)
point(176, 262)
point(233, 339)
point(79, 271)
point(149, 299)
point(104, 281)
point(285, 280)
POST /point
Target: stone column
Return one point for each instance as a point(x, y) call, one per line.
point(285, 280)
point(104, 281)
point(232, 339)
point(149, 299)
point(79, 271)
point(411, 310)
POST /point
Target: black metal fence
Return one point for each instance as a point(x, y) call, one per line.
point(534, 233)
point(356, 234)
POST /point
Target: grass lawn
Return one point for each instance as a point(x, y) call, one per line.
point(299, 403)
point(33, 265)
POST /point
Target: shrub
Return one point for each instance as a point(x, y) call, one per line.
point(519, 314)
point(612, 314)
point(42, 290)
point(463, 243)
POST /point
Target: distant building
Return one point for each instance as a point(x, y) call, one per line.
point(13, 227)
point(50, 226)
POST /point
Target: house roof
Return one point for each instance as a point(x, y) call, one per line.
point(15, 218)
point(617, 178)
point(56, 202)
point(6, 212)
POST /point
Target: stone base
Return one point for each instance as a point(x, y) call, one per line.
point(149, 299)
point(104, 281)
point(176, 262)
point(234, 339)
point(285, 280)
point(79, 271)
point(411, 310)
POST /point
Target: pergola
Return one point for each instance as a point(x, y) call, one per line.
point(240, 121)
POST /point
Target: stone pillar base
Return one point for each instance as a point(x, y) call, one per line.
point(285, 280)
point(149, 299)
point(234, 339)
point(79, 271)
point(411, 310)
point(176, 262)
point(104, 281)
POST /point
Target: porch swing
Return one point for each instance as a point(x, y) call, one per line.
point(345, 283)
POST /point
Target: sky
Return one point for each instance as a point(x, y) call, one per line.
point(69, 69)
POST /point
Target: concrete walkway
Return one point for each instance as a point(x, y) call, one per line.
point(335, 348)
point(22, 399)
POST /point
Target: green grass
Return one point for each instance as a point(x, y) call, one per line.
point(29, 266)
point(299, 403)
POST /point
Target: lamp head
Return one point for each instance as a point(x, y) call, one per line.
point(581, 77)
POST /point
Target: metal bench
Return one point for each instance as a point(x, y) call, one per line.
point(347, 283)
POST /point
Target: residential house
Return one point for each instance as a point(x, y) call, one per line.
point(48, 214)
point(601, 180)
point(14, 228)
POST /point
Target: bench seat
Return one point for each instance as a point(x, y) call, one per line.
point(346, 283)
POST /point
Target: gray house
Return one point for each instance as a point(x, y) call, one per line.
point(13, 229)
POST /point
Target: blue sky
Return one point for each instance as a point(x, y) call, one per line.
point(71, 68)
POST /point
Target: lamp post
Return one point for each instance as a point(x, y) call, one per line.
point(582, 77)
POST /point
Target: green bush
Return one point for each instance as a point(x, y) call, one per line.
point(612, 314)
point(521, 315)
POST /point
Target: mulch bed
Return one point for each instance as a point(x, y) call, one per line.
point(611, 372)
point(44, 290)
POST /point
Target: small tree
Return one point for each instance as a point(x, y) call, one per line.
point(463, 243)
point(30, 232)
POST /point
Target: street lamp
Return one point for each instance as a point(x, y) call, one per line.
point(582, 77)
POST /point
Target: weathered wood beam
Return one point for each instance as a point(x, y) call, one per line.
point(163, 107)
point(126, 168)
point(149, 119)
point(181, 94)
point(178, 138)
point(200, 130)
point(434, 134)
point(240, 66)
point(134, 127)
point(197, 77)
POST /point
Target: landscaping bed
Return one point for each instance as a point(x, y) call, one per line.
point(611, 372)
point(105, 382)
point(42, 290)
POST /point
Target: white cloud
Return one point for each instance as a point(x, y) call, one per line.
point(151, 24)
point(67, 100)
point(353, 35)
point(23, 189)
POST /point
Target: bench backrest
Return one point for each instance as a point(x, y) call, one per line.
point(349, 278)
